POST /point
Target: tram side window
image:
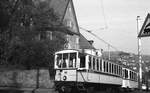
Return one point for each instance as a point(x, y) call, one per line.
point(100, 64)
point(82, 61)
point(90, 62)
point(126, 73)
point(135, 76)
point(130, 75)
point(115, 69)
point(109, 67)
point(65, 62)
point(97, 61)
point(72, 61)
point(93, 63)
point(112, 68)
point(59, 60)
point(121, 71)
point(104, 66)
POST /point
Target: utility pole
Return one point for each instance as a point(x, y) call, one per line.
point(139, 57)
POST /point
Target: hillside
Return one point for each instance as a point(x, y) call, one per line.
point(131, 58)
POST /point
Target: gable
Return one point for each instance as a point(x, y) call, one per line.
point(70, 19)
point(59, 7)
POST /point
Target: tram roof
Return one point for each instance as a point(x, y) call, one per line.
point(67, 51)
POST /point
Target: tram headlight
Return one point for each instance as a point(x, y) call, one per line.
point(64, 78)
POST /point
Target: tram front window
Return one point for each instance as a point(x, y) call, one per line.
point(66, 60)
point(59, 60)
point(72, 61)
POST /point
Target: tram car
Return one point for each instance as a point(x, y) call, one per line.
point(130, 79)
point(83, 72)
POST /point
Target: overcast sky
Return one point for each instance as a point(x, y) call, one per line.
point(118, 17)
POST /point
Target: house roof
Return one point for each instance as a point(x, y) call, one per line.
point(59, 7)
point(84, 44)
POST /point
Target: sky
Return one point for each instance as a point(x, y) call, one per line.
point(113, 21)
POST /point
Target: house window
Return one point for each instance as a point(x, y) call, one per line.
point(49, 35)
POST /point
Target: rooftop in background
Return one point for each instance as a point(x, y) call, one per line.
point(84, 44)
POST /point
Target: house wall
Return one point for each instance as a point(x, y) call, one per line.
point(71, 22)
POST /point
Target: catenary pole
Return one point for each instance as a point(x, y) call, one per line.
point(139, 56)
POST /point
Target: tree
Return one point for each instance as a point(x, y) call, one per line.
point(25, 22)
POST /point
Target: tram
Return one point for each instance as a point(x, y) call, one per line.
point(130, 79)
point(84, 71)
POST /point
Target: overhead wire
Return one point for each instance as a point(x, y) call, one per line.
point(90, 31)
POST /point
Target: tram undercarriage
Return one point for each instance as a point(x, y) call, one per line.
point(84, 87)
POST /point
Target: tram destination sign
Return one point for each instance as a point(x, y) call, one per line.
point(145, 30)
